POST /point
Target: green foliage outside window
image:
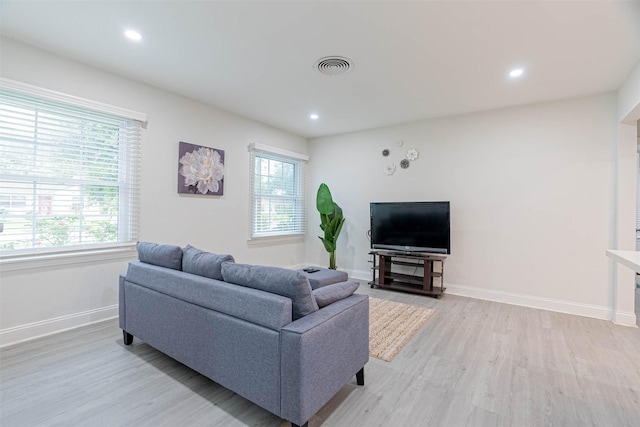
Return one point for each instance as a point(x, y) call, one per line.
point(59, 178)
point(276, 195)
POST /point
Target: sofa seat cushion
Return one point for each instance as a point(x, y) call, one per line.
point(168, 256)
point(202, 263)
point(334, 292)
point(287, 283)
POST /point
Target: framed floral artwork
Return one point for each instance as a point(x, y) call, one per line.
point(200, 170)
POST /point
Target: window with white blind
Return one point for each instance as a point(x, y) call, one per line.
point(69, 174)
point(277, 191)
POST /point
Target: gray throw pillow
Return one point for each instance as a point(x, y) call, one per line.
point(280, 281)
point(335, 292)
point(202, 263)
point(168, 256)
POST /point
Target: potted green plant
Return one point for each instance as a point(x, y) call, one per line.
point(331, 221)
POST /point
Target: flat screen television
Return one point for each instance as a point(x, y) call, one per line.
point(411, 226)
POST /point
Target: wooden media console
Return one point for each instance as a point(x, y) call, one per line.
point(427, 277)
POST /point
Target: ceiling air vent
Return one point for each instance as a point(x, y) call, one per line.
point(333, 65)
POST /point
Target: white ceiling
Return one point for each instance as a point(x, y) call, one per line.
point(412, 60)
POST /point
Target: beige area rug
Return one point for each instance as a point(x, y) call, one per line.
point(392, 325)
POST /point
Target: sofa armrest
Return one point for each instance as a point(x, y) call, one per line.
point(320, 353)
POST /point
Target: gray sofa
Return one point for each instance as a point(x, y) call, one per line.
point(259, 331)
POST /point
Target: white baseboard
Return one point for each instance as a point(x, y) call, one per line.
point(42, 328)
point(559, 306)
point(297, 266)
point(362, 275)
point(626, 319)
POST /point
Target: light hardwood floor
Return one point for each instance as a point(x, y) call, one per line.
point(474, 363)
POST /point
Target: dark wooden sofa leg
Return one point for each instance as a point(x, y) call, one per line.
point(303, 425)
point(360, 377)
point(127, 337)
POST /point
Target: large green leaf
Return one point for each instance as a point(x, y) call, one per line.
point(325, 220)
point(337, 210)
point(339, 228)
point(328, 246)
point(329, 235)
point(332, 220)
point(324, 201)
point(332, 228)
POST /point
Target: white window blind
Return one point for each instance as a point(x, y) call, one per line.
point(69, 175)
point(278, 180)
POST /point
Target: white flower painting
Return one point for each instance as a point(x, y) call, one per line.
point(200, 170)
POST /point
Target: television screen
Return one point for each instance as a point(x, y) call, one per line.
point(411, 226)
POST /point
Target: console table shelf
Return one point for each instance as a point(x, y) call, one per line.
point(427, 278)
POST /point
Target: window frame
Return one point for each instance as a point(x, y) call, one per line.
point(71, 254)
point(278, 154)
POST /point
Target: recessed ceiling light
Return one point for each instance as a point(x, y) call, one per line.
point(133, 35)
point(313, 116)
point(516, 72)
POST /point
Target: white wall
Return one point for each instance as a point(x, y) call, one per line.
point(629, 98)
point(45, 299)
point(624, 237)
point(531, 191)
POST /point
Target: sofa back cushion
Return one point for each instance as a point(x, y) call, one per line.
point(335, 292)
point(202, 263)
point(168, 256)
point(287, 283)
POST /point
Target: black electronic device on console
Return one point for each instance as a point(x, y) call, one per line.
point(409, 227)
